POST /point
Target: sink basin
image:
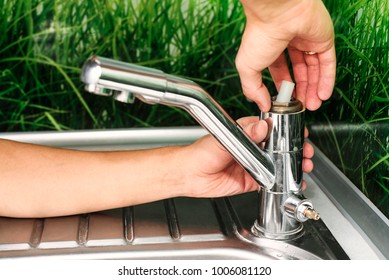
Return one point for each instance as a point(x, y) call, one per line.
point(183, 228)
point(180, 228)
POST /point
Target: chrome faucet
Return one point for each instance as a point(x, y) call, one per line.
point(277, 168)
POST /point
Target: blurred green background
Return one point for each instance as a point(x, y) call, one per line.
point(44, 43)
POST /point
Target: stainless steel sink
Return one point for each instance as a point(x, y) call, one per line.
point(181, 228)
point(189, 228)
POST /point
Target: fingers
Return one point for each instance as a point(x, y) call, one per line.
point(308, 150)
point(308, 153)
point(306, 70)
point(306, 132)
point(312, 100)
point(279, 71)
point(245, 121)
point(327, 73)
point(307, 165)
point(254, 89)
point(257, 131)
point(300, 72)
point(251, 79)
point(314, 75)
point(252, 58)
point(254, 128)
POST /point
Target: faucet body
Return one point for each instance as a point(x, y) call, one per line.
point(269, 167)
point(281, 208)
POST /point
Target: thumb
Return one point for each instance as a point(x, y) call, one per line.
point(257, 130)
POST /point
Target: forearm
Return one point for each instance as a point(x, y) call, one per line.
point(39, 181)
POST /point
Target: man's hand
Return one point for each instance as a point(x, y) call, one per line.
point(302, 27)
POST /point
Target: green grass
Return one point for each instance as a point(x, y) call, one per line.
point(361, 97)
point(44, 44)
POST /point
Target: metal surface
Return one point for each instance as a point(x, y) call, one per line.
point(281, 209)
point(124, 81)
point(185, 228)
point(181, 228)
point(278, 170)
point(353, 206)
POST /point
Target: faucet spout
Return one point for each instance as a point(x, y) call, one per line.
point(277, 168)
point(125, 81)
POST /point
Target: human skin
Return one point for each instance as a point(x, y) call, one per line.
point(39, 181)
point(300, 27)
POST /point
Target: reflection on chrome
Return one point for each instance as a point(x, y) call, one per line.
point(277, 167)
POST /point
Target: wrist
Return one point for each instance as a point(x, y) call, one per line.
point(176, 169)
point(266, 11)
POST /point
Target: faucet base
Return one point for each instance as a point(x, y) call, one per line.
point(259, 231)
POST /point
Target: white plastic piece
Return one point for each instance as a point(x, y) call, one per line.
point(285, 93)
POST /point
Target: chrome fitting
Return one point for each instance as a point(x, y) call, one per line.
point(300, 209)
